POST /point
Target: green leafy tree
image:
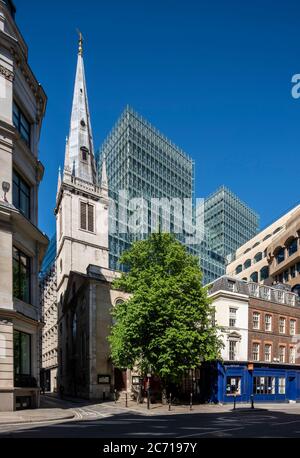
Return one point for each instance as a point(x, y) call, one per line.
point(166, 324)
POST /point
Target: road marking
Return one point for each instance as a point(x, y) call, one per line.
point(210, 432)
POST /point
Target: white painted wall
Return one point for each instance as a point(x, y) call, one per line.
point(222, 304)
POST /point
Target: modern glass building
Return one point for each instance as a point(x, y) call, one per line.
point(143, 163)
point(229, 222)
point(49, 258)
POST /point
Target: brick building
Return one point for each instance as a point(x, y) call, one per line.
point(269, 369)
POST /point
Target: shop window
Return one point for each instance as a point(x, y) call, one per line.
point(263, 385)
point(22, 356)
point(233, 386)
point(281, 385)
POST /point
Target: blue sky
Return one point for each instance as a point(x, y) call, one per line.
point(214, 76)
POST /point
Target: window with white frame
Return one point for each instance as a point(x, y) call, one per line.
point(268, 351)
point(282, 354)
point(232, 350)
point(268, 322)
point(281, 385)
point(292, 355)
point(233, 386)
point(255, 351)
point(282, 325)
point(256, 320)
point(232, 317)
point(292, 327)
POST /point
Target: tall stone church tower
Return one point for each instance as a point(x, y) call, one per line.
point(84, 294)
point(81, 205)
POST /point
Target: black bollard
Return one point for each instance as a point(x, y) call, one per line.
point(191, 401)
point(115, 396)
point(126, 399)
point(252, 401)
point(148, 398)
point(170, 402)
point(234, 402)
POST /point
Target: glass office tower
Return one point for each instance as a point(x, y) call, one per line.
point(229, 222)
point(142, 162)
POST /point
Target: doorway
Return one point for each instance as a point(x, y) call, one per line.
point(120, 379)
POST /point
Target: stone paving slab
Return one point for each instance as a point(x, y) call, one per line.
point(35, 416)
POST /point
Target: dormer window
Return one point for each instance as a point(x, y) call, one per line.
point(84, 153)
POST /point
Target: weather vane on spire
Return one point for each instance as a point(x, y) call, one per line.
point(80, 47)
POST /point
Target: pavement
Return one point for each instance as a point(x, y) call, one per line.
point(35, 416)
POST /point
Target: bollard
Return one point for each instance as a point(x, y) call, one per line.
point(115, 396)
point(148, 398)
point(191, 401)
point(170, 402)
point(104, 396)
point(234, 401)
point(252, 401)
point(126, 399)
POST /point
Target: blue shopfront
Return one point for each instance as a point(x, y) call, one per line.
point(265, 383)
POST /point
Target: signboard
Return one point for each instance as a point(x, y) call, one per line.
point(103, 379)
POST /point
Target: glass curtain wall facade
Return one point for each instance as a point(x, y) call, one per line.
point(144, 163)
point(229, 222)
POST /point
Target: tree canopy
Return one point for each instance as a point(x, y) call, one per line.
point(166, 325)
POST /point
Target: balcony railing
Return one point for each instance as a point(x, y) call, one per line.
point(272, 294)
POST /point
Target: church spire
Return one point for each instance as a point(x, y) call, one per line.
point(80, 148)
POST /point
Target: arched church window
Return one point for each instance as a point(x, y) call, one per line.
point(84, 153)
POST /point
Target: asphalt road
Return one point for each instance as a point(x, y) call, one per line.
point(116, 423)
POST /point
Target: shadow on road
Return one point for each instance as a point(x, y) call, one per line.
point(239, 424)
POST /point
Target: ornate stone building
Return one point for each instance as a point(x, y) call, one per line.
point(49, 332)
point(22, 245)
point(84, 293)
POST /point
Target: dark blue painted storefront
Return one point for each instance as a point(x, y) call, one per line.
point(265, 383)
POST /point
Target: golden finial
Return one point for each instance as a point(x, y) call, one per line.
point(80, 46)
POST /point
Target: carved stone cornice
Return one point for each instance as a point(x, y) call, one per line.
point(8, 74)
